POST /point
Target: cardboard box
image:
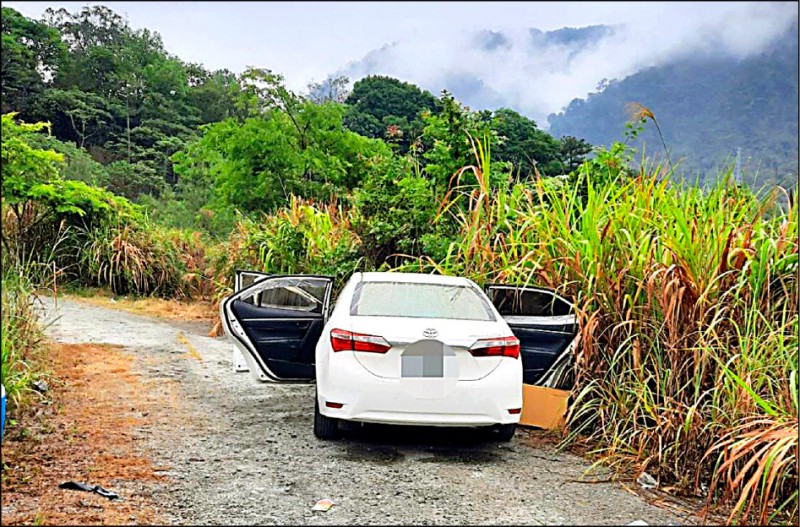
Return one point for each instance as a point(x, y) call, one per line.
point(543, 407)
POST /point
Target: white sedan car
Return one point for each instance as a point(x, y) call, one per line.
point(403, 348)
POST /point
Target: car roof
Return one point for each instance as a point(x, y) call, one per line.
point(419, 278)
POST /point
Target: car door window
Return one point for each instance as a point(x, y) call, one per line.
point(289, 294)
point(245, 279)
point(519, 302)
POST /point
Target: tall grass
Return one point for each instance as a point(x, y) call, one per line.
point(20, 335)
point(27, 258)
point(303, 238)
point(25, 274)
point(127, 258)
point(688, 304)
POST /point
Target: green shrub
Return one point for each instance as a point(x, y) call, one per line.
point(133, 179)
point(303, 238)
point(395, 212)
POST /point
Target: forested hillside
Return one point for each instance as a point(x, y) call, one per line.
point(709, 108)
point(120, 105)
point(519, 59)
point(132, 118)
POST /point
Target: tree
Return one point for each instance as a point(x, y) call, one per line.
point(447, 142)
point(333, 89)
point(377, 103)
point(573, 152)
point(94, 37)
point(263, 90)
point(119, 94)
point(84, 111)
point(397, 208)
point(78, 164)
point(24, 166)
point(525, 146)
point(212, 93)
point(132, 179)
point(32, 52)
point(287, 146)
point(31, 174)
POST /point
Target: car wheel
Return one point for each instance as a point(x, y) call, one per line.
point(505, 433)
point(324, 427)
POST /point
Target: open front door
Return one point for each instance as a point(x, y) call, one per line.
point(547, 329)
point(275, 323)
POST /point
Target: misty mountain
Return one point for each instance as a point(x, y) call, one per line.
point(709, 107)
point(711, 100)
point(551, 53)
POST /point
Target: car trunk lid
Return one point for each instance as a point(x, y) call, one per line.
point(406, 336)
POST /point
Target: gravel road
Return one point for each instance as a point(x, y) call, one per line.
point(241, 452)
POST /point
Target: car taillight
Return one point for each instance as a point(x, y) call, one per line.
point(500, 347)
point(342, 340)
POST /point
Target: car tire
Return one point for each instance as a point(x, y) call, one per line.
point(505, 433)
point(324, 427)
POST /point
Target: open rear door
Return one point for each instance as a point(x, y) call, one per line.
point(547, 329)
point(275, 323)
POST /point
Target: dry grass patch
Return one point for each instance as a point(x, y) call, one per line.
point(195, 310)
point(86, 434)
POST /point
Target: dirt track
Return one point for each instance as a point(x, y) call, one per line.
point(240, 452)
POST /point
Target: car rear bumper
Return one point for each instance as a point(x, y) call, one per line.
point(428, 402)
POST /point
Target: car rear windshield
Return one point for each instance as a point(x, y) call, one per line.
point(414, 300)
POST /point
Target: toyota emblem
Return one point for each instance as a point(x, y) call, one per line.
point(430, 333)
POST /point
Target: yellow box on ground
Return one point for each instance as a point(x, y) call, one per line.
point(543, 407)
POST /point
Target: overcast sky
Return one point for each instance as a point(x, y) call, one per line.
point(307, 41)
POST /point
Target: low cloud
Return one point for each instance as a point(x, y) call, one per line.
point(540, 74)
